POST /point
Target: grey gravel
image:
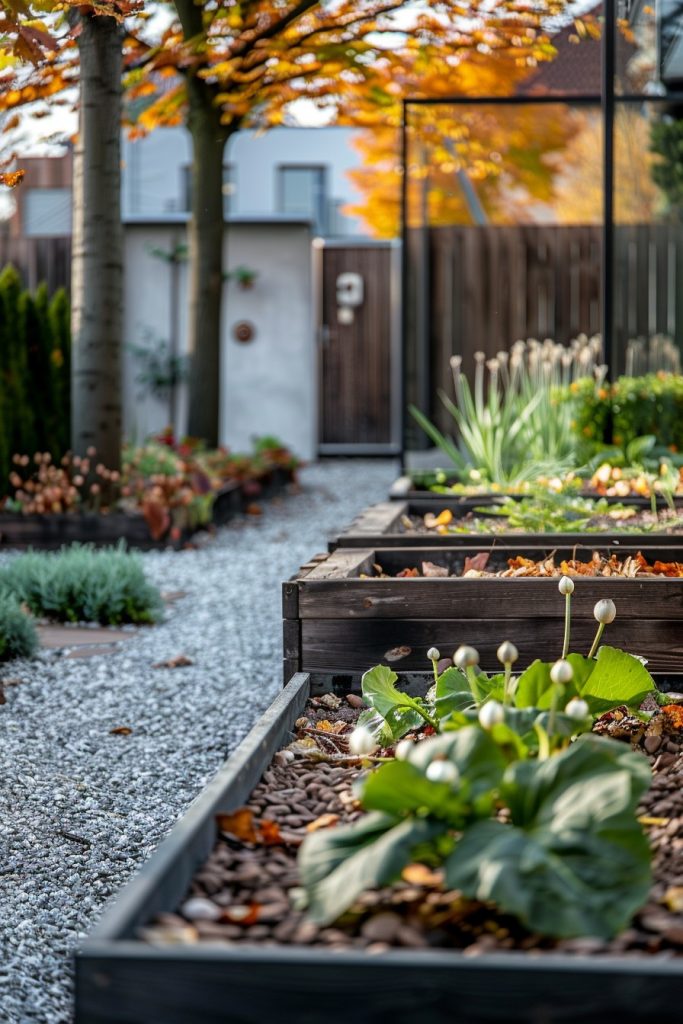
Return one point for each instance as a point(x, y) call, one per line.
point(80, 808)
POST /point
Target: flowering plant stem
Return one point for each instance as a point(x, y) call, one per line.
point(598, 637)
point(567, 624)
point(474, 685)
point(506, 684)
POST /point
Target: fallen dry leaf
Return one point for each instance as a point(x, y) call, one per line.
point(432, 522)
point(269, 832)
point(429, 569)
point(254, 510)
point(121, 730)
point(407, 574)
point(673, 898)
point(324, 821)
point(477, 562)
point(240, 824)
point(396, 653)
point(180, 661)
point(241, 914)
point(420, 874)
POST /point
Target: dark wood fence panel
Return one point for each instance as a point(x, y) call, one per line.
point(38, 260)
point(489, 286)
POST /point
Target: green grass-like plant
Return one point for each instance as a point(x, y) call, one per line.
point(17, 633)
point(81, 584)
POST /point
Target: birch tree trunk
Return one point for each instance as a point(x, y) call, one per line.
point(97, 262)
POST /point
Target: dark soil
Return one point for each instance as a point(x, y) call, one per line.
point(248, 892)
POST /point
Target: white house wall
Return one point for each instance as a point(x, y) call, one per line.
point(268, 385)
point(153, 176)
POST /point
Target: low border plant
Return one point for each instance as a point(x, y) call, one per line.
point(17, 632)
point(81, 584)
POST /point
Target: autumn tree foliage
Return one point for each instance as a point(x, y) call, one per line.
point(224, 66)
point(466, 163)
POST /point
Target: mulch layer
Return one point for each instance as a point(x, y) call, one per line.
point(665, 522)
point(249, 891)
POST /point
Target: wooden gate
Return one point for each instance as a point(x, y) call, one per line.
point(359, 347)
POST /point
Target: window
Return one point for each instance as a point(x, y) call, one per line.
point(302, 191)
point(229, 188)
point(46, 212)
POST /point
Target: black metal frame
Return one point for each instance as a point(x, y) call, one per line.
point(607, 100)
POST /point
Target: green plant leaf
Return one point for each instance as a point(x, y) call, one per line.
point(399, 788)
point(535, 687)
point(452, 692)
point(337, 864)
point(474, 753)
point(617, 678)
point(574, 861)
point(379, 691)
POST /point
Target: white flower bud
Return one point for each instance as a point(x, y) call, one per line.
point(605, 611)
point(441, 771)
point(433, 654)
point(566, 585)
point(466, 657)
point(361, 741)
point(403, 749)
point(490, 714)
point(577, 709)
point(507, 653)
point(561, 673)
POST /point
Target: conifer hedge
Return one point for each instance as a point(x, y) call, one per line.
point(35, 367)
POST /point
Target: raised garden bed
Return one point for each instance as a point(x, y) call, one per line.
point(120, 977)
point(337, 623)
point(405, 489)
point(400, 524)
point(52, 531)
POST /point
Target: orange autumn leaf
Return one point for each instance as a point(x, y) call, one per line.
point(239, 824)
point(269, 833)
point(420, 874)
point(324, 821)
point(674, 714)
point(244, 914)
point(10, 179)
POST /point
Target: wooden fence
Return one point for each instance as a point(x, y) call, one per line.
point(475, 289)
point(38, 259)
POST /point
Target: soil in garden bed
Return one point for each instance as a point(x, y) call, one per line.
point(631, 520)
point(502, 565)
point(248, 890)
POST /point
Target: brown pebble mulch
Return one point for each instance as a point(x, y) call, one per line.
point(249, 892)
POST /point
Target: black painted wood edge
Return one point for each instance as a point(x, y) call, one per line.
point(163, 879)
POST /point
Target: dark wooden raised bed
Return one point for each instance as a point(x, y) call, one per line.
point(338, 624)
point(403, 489)
point(52, 531)
point(380, 526)
point(121, 980)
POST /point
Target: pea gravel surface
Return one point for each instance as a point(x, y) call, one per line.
point(82, 807)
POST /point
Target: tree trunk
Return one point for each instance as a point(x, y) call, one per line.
point(205, 238)
point(97, 265)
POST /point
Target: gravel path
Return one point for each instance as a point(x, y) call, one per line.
point(81, 808)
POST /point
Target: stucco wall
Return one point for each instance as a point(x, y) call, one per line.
point(268, 386)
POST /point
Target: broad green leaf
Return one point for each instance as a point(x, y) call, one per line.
point(338, 864)
point(574, 861)
point(618, 678)
point(377, 726)
point(380, 692)
point(535, 688)
point(399, 788)
point(477, 757)
point(452, 692)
